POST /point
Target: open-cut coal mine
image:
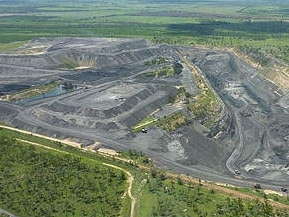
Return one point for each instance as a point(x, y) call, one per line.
point(105, 88)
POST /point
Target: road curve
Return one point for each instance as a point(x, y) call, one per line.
point(130, 176)
point(130, 182)
point(238, 151)
point(4, 212)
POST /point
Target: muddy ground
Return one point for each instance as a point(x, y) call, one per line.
point(113, 94)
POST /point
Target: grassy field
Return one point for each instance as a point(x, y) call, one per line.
point(190, 22)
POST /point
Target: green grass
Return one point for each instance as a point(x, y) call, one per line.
point(88, 158)
point(205, 105)
point(166, 198)
point(162, 72)
point(69, 63)
point(172, 198)
point(11, 46)
point(156, 61)
point(148, 121)
point(31, 92)
point(260, 193)
point(189, 23)
point(172, 122)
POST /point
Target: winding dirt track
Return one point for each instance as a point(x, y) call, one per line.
point(130, 176)
point(226, 190)
point(239, 149)
point(130, 182)
point(208, 185)
point(4, 212)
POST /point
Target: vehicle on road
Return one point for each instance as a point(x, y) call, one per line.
point(237, 172)
point(257, 186)
point(283, 189)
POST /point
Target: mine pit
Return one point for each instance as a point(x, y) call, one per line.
point(114, 94)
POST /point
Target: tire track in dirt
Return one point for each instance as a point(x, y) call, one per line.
point(4, 212)
point(236, 154)
point(129, 180)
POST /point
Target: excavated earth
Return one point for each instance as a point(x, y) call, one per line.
point(111, 94)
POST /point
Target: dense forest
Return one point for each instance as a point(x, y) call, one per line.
point(38, 182)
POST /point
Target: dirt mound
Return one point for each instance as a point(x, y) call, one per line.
point(61, 56)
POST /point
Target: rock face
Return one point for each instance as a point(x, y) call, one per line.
point(259, 117)
point(114, 92)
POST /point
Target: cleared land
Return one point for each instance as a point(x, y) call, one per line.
point(113, 91)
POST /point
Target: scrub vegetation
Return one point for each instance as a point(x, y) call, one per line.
point(31, 92)
point(172, 122)
point(38, 182)
point(166, 71)
point(164, 197)
point(52, 179)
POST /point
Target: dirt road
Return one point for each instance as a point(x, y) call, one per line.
point(226, 190)
point(71, 143)
point(130, 176)
point(130, 182)
point(4, 212)
point(208, 185)
point(238, 151)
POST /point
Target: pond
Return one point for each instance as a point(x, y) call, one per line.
point(58, 90)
